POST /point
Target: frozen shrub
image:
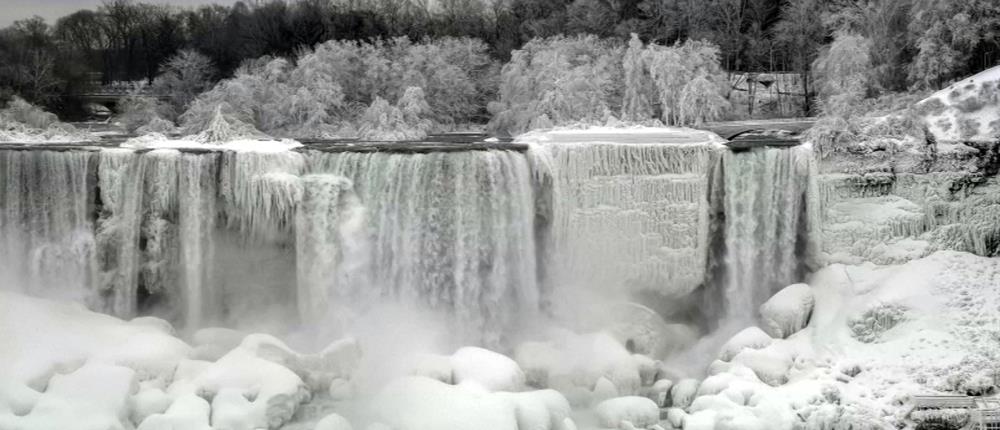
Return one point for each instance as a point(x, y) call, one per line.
point(870, 326)
point(21, 121)
point(20, 111)
point(940, 419)
point(223, 128)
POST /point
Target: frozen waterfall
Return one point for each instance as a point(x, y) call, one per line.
point(488, 239)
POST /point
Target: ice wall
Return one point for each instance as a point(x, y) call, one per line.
point(624, 212)
point(46, 225)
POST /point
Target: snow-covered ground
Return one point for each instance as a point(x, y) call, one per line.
point(876, 335)
point(967, 110)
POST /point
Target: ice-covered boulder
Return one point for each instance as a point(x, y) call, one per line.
point(788, 311)
point(748, 338)
point(536, 359)
point(769, 364)
point(225, 338)
point(604, 389)
point(543, 409)
point(639, 411)
point(492, 371)
point(417, 403)
point(659, 392)
point(94, 397)
point(433, 366)
point(188, 412)
point(232, 411)
point(683, 393)
point(148, 402)
point(333, 422)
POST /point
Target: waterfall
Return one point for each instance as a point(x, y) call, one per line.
point(626, 218)
point(450, 231)
point(487, 238)
point(46, 228)
point(327, 203)
point(197, 205)
point(771, 207)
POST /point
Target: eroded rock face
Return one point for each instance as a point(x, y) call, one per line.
point(788, 311)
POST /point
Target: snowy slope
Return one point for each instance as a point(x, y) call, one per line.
point(967, 110)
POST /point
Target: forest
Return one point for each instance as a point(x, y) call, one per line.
point(506, 62)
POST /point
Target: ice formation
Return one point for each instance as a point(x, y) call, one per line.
point(540, 259)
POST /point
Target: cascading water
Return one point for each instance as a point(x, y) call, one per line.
point(449, 231)
point(487, 237)
point(771, 208)
point(197, 204)
point(46, 226)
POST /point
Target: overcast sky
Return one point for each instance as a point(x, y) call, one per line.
point(51, 10)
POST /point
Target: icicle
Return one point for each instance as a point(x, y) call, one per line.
point(627, 217)
point(120, 177)
point(260, 191)
point(319, 242)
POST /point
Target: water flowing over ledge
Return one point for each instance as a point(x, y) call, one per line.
point(491, 237)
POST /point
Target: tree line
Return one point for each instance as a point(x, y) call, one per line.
point(911, 44)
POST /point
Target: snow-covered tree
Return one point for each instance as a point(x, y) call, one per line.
point(383, 121)
point(638, 87)
point(701, 101)
point(561, 79)
point(843, 73)
point(328, 88)
point(184, 76)
point(675, 68)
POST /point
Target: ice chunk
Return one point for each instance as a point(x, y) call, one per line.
point(416, 403)
point(334, 422)
point(748, 338)
point(493, 371)
point(788, 311)
point(639, 411)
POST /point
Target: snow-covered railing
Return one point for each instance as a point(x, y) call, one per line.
point(943, 402)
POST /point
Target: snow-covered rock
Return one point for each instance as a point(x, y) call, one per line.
point(788, 311)
point(748, 338)
point(417, 403)
point(683, 393)
point(492, 371)
point(94, 397)
point(604, 389)
point(187, 412)
point(433, 366)
point(639, 411)
point(333, 422)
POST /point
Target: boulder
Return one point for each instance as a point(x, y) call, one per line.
point(748, 338)
point(788, 311)
point(639, 411)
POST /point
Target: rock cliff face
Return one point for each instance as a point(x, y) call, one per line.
point(891, 200)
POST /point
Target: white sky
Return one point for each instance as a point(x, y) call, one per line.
point(51, 10)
